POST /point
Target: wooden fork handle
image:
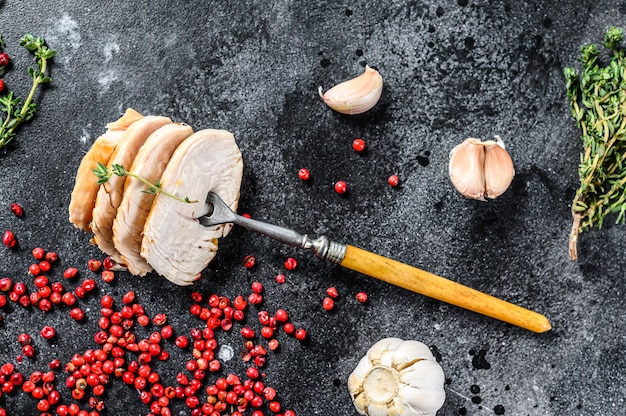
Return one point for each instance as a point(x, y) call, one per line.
point(445, 290)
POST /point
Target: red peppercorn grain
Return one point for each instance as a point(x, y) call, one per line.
point(304, 174)
point(5, 59)
point(48, 332)
point(291, 263)
point(361, 297)
point(70, 273)
point(16, 208)
point(94, 265)
point(332, 292)
point(358, 145)
point(249, 261)
point(301, 334)
point(8, 239)
point(328, 304)
point(280, 278)
point(51, 257)
point(393, 180)
point(2, 85)
point(341, 187)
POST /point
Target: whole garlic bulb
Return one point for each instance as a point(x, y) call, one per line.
point(357, 95)
point(397, 378)
point(481, 169)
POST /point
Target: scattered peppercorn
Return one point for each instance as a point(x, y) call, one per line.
point(393, 180)
point(328, 304)
point(8, 239)
point(291, 263)
point(4, 59)
point(332, 292)
point(361, 297)
point(304, 174)
point(358, 145)
point(48, 332)
point(94, 265)
point(341, 187)
point(16, 208)
point(249, 261)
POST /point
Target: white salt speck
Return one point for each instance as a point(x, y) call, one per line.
point(68, 28)
point(109, 49)
point(226, 353)
point(86, 137)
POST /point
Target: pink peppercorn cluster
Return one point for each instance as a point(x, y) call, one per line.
point(328, 303)
point(341, 186)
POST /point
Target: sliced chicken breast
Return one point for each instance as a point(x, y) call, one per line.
point(85, 186)
point(149, 164)
point(110, 193)
point(174, 243)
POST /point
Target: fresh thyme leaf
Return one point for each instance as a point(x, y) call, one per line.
point(16, 110)
point(104, 174)
point(597, 98)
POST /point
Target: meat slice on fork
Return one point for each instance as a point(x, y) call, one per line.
point(174, 243)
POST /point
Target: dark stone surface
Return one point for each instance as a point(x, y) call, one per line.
point(452, 69)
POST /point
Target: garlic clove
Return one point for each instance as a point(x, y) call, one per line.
point(499, 170)
point(357, 95)
point(410, 352)
point(423, 402)
point(420, 376)
point(466, 168)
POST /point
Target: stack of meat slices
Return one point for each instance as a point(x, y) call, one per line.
point(149, 232)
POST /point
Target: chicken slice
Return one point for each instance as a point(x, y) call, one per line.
point(149, 164)
point(85, 186)
point(174, 243)
point(110, 193)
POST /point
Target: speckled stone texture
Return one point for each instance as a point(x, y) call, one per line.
point(452, 69)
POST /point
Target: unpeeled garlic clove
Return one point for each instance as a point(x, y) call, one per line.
point(481, 169)
point(357, 95)
point(499, 170)
point(466, 168)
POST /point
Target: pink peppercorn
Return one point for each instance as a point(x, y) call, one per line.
point(341, 187)
point(361, 297)
point(332, 292)
point(280, 278)
point(291, 263)
point(393, 180)
point(358, 145)
point(304, 174)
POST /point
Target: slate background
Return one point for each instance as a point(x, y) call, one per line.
point(452, 69)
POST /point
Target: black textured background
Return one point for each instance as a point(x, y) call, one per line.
point(452, 69)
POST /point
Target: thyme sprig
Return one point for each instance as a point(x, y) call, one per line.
point(15, 109)
point(104, 174)
point(597, 98)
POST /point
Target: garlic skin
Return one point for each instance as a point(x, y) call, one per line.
point(357, 95)
point(480, 170)
point(397, 378)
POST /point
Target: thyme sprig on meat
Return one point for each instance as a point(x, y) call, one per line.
point(16, 111)
point(597, 99)
point(104, 174)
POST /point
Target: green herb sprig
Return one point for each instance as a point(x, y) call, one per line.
point(15, 109)
point(104, 174)
point(597, 98)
